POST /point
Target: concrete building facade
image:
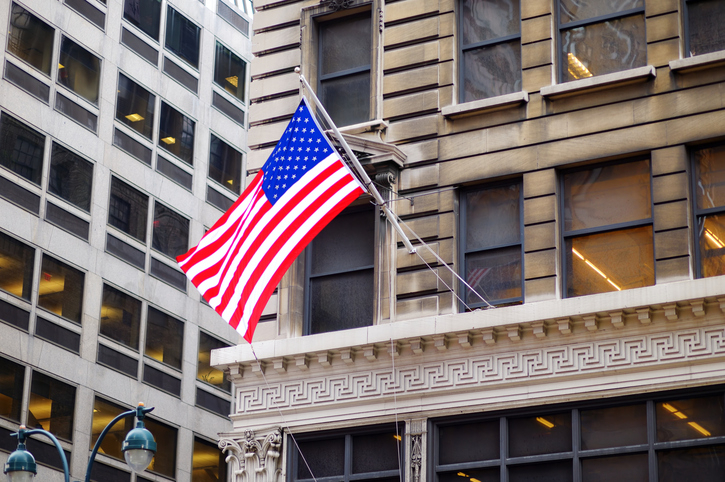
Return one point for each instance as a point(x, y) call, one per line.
point(123, 127)
point(566, 159)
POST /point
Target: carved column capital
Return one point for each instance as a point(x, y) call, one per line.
point(254, 458)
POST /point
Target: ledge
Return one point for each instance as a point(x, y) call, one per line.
point(486, 105)
point(370, 126)
point(698, 62)
point(599, 82)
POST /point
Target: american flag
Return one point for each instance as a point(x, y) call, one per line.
point(240, 260)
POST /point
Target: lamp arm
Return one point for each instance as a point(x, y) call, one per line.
point(23, 434)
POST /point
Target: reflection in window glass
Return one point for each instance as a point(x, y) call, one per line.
point(613, 426)
point(208, 462)
point(103, 413)
point(632, 468)
point(710, 209)
point(692, 418)
point(205, 371)
point(229, 71)
point(225, 164)
point(182, 37)
point(164, 461)
point(135, 106)
point(164, 338)
point(60, 289)
point(11, 389)
point(31, 39)
point(16, 263)
point(693, 463)
point(176, 133)
point(70, 177)
point(543, 434)
point(128, 209)
point(171, 231)
point(468, 442)
point(120, 317)
point(705, 26)
point(51, 406)
point(145, 14)
point(21, 149)
point(79, 70)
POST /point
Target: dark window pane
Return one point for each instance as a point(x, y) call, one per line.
point(630, 468)
point(213, 403)
point(208, 462)
point(27, 82)
point(711, 235)
point(607, 195)
point(57, 334)
point(70, 222)
point(176, 133)
point(181, 75)
point(494, 274)
point(79, 70)
point(614, 427)
point(71, 177)
point(171, 231)
point(51, 406)
point(612, 261)
point(161, 380)
point(31, 39)
point(205, 371)
point(120, 315)
point(468, 442)
point(164, 462)
point(696, 464)
point(76, 112)
point(326, 458)
point(145, 14)
point(60, 289)
point(128, 209)
point(46, 453)
point(572, 10)
point(347, 242)
point(16, 263)
point(341, 302)
point(103, 413)
point(347, 99)
point(225, 164)
point(603, 48)
point(87, 10)
point(11, 389)
point(493, 217)
point(468, 475)
point(705, 26)
point(182, 37)
point(549, 472)
point(131, 146)
point(217, 199)
point(173, 172)
point(125, 251)
point(375, 452)
point(236, 20)
point(164, 338)
point(491, 71)
point(229, 71)
point(164, 272)
point(21, 149)
point(345, 44)
point(692, 418)
point(489, 19)
point(20, 196)
point(546, 434)
point(15, 316)
point(106, 473)
point(225, 107)
point(118, 361)
point(135, 106)
point(139, 46)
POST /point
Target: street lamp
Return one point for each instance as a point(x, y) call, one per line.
point(138, 449)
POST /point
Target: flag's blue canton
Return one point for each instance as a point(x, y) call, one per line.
point(299, 149)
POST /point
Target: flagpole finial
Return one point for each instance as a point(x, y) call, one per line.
point(297, 70)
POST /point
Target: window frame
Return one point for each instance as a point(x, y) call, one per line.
point(53, 66)
point(245, 89)
point(686, 29)
point(171, 49)
point(699, 212)
point(463, 251)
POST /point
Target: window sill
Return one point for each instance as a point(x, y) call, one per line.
point(486, 105)
point(599, 82)
point(698, 62)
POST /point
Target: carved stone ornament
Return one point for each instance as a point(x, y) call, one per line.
point(254, 459)
point(416, 457)
point(336, 5)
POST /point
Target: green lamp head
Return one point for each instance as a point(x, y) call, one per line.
point(139, 446)
point(20, 466)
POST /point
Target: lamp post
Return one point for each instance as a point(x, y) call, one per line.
point(138, 448)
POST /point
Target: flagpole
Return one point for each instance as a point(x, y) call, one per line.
point(361, 172)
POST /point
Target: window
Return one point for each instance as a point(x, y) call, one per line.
point(608, 228)
point(171, 231)
point(51, 406)
point(120, 317)
point(144, 14)
point(60, 289)
point(340, 270)
point(492, 246)
point(135, 106)
point(490, 48)
point(704, 24)
point(229, 71)
point(176, 133)
point(596, 441)
point(182, 37)
point(344, 68)
point(208, 462)
point(709, 193)
point(30, 39)
point(16, 262)
point(225, 164)
point(598, 38)
point(71, 177)
point(128, 209)
point(11, 389)
point(79, 70)
point(103, 412)
point(22, 149)
point(367, 454)
point(204, 371)
point(164, 461)
point(164, 338)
